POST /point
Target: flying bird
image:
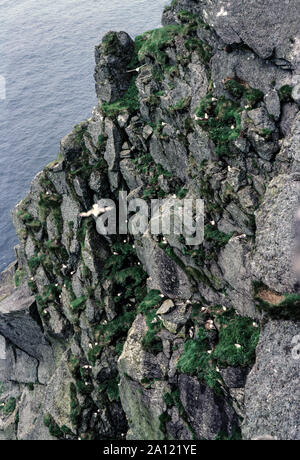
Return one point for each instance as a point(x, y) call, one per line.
point(137, 69)
point(95, 211)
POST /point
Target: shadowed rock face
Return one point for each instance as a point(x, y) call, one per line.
point(20, 322)
point(207, 413)
point(113, 57)
point(148, 337)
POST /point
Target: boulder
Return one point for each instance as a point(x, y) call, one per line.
point(113, 57)
point(272, 389)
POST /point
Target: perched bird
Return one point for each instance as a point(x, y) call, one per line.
point(95, 211)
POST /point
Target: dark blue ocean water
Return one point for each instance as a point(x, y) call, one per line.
point(47, 59)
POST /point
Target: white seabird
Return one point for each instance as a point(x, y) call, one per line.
point(95, 211)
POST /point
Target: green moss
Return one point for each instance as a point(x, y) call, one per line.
point(151, 300)
point(239, 89)
point(164, 418)
point(204, 50)
point(181, 193)
point(236, 435)
point(84, 388)
point(129, 288)
point(117, 328)
point(75, 410)
point(129, 102)
point(78, 304)
point(111, 388)
point(74, 365)
point(173, 399)
point(237, 341)
point(9, 406)
point(101, 140)
point(181, 105)
point(53, 427)
point(266, 133)
point(212, 234)
point(29, 221)
point(19, 276)
point(110, 43)
point(95, 352)
point(196, 361)
point(35, 261)
point(222, 120)
point(285, 93)
point(148, 307)
point(154, 43)
point(151, 342)
point(236, 330)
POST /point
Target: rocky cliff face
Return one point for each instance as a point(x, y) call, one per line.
point(147, 337)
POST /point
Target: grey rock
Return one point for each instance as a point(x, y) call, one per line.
point(272, 389)
point(95, 124)
point(175, 319)
point(70, 149)
point(248, 67)
point(200, 145)
point(242, 144)
point(125, 154)
point(20, 367)
point(123, 119)
point(19, 323)
point(31, 425)
point(171, 154)
point(70, 210)
point(275, 235)
point(235, 377)
point(262, 123)
point(235, 265)
point(291, 145)
point(143, 408)
point(166, 307)
point(110, 308)
point(197, 80)
point(52, 229)
point(165, 274)
point(207, 413)
point(134, 361)
point(98, 182)
point(113, 145)
point(94, 253)
point(29, 247)
point(234, 24)
point(177, 428)
point(296, 94)
point(289, 112)
point(7, 280)
point(147, 132)
point(272, 102)
point(112, 59)
point(248, 199)
point(57, 176)
point(128, 171)
point(239, 221)
point(163, 183)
